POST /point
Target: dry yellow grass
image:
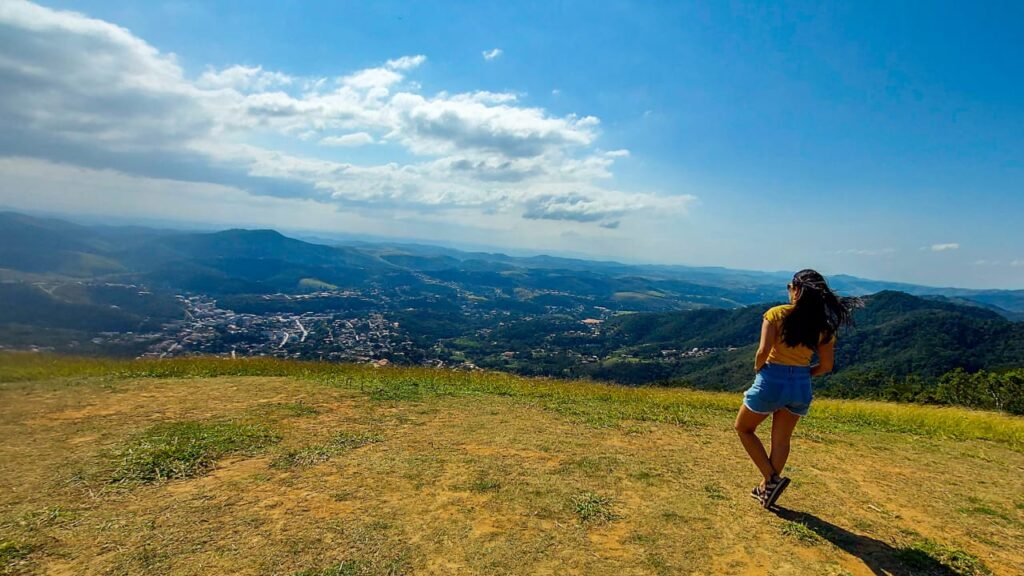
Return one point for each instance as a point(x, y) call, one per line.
point(376, 474)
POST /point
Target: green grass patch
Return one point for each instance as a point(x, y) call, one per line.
point(933, 558)
point(349, 440)
point(286, 409)
point(982, 510)
point(399, 389)
point(187, 449)
point(593, 508)
point(316, 284)
point(485, 485)
point(801, 533)
point(52, 516)
point(12, 556)
point(319, 453)
point(346, 568)
point(715, 492)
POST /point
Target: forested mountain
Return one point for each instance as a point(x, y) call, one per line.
point(896, 335)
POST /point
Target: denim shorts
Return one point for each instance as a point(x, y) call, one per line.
point(780, 386)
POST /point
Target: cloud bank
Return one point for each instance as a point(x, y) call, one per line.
point(89, 93)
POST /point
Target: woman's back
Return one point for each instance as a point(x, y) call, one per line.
point(782, 353)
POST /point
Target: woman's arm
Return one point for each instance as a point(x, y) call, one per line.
point(826, 359)
point(763, 349)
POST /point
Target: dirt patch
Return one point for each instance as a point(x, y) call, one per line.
point(62, 417)
point(533, 456)
point(83, 439)
point(228, 471)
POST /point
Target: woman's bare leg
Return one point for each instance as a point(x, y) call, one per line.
point(783, 423)
point(746, 425)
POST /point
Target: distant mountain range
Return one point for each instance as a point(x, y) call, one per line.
point(235, 262)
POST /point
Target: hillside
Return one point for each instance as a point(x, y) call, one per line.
point(895, 335)
point(269, 467)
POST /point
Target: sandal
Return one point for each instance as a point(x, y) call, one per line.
point(759, 494)
point(773, 489)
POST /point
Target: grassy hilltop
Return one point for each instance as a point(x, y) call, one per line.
point(207, 466)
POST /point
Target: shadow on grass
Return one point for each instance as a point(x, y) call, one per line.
point(921, 559)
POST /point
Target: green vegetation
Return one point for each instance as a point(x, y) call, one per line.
point(314, 284)
point(50, 516)
point(924, 555)
point(801, 533)
point(593, 508)
point(85, 309)
point(287, 409)
point(982, 389)
point(319, 453)
point(342, 569)
point(715, 492)
point(989, 390)
point(12, 555)
point(186, 449)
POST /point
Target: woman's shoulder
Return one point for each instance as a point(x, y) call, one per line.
point(777, 312)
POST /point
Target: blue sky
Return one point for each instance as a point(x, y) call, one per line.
point(877, 139)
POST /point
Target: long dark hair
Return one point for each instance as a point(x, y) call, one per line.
point(818, 313)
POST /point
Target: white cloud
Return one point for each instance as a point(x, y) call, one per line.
point(77, 81)
point(867, 252)
point(492, 54)
point(406, 62)
point(945, 247)
point(355, 139)
point(1017, 263)
point(372, 78)
point(243, 78)
point(444, 124)
point(85, 92)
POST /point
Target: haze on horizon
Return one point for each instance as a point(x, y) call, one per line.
point(874, 140)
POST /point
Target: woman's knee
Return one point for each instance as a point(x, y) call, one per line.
point(742, 427)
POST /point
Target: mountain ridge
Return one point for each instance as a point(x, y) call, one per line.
point(416, 257)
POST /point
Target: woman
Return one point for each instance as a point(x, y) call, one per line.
point(790, 335)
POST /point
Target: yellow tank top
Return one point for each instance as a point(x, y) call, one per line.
point(781, 353)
